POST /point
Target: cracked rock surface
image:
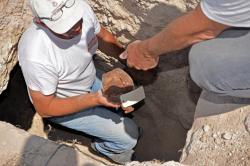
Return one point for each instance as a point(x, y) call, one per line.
point(14, 18)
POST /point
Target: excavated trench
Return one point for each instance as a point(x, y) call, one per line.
point(167, 112)
point(165, 116)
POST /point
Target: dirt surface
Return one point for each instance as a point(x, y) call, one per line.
point(219, 135)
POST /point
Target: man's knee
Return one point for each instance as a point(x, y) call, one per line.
point(130, 134)
point(214, 69)
point(124, 138)
point(202, 70)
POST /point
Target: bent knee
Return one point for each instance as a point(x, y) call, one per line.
point(129, 135)
point(203, 71)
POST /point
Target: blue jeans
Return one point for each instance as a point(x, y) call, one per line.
point(114, 134)
point(222, 65)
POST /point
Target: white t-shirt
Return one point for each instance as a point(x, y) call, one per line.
point(234, 13)
point(58, 66)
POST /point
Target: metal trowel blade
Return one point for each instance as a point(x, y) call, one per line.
point(132, 97)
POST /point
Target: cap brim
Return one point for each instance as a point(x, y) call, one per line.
point(69, 18)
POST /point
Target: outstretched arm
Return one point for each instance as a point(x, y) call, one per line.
point(108, 44)
point(50, 105)
point(186, 30)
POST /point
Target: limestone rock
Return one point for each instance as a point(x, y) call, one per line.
point(206, 128)
point(247, 123)
point(138, 19)
point(154, 163)
point(14, 18)
point(227, 136)
point(18, 147)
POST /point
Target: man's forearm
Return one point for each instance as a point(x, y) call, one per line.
point(108, 44)
point(183, 32)
point(48, 106)
point(65, 106)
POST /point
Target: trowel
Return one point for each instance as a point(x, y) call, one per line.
point(132, 97)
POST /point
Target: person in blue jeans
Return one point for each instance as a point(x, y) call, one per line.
point(55, 54)
point(113, 133)
point(220, 56)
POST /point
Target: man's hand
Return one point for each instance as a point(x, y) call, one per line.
point(104, 101)
point(138, 58)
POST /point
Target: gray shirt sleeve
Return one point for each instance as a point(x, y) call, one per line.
point(234, 13)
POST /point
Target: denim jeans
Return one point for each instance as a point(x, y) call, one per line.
point(222, 65)
point(114, 134)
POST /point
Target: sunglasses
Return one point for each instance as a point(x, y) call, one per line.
point(58, 12)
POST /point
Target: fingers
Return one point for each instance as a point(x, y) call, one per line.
point(112, 104)
point(104, 101)
point(109, 104)
point(128, 109)
point(138, 58)
point(142, 66)
point(124, 55)
point(129, 64)
point(127, 112)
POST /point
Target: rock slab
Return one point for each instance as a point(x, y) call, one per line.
point(14, 18)
point(17, 148)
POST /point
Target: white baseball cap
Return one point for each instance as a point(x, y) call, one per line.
point(59, 15)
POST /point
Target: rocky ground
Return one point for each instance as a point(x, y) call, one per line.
point(220, 133)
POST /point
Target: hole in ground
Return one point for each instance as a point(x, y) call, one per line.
point(164, 127)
